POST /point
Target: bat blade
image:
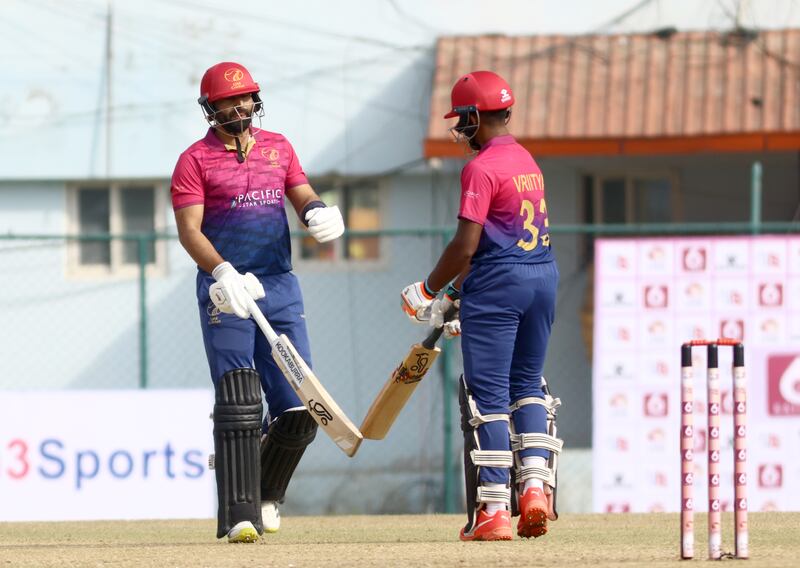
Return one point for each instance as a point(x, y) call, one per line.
point(397, 390)
point(330, 417)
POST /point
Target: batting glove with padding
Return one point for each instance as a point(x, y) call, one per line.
point(230, 291)
point(415, 299)
point(325, 223)
point(452, 327)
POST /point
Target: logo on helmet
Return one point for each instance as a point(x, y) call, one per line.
point(233, 74)
point(505, 96)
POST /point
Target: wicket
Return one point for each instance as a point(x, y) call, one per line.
point(739, 449)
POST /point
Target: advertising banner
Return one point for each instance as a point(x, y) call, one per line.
point(653, 294)
point(91, 455)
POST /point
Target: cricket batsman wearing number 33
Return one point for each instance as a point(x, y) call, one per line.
point(505, 278)
point(228, 193)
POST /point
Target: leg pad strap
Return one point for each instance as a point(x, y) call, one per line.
point(485, 494)
point(489, 458)
point(529, 440)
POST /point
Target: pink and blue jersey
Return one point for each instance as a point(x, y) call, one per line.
point(503, 190)
point(244, 215)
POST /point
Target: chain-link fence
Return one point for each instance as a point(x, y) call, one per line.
point(127, 325)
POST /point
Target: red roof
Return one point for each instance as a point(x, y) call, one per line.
point(641, 93)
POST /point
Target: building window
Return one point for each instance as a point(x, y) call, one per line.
point(138, 215)
point(360, 206)
point(628, 198)
point(94, 214)
point(115, 209)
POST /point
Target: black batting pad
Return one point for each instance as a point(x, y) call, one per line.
point(237, 434)
point(281, 450)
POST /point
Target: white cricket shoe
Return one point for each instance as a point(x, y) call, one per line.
point(270, 516)
point(243, 531)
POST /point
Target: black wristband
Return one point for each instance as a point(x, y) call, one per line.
point(309, 207)
point(452, 292)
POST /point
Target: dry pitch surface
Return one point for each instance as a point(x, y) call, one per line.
point(575, 540)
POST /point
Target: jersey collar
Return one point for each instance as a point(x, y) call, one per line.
point(212, 139)
point(498, 141)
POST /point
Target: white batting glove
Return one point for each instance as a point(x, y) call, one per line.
point(452, 329)
point(253, 286)
point(325, 223)
point(439, 308)
point(415, 301)
point(231, 290)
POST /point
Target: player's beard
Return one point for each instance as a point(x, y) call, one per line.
point(237, 126)
point(237, 121)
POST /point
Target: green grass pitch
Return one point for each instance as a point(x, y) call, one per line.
point(373, 541)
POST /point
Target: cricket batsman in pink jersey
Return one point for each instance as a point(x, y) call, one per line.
point(504, 278)
point(228, 192)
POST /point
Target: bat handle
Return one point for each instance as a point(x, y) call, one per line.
point(430, 341)
point(261, 321)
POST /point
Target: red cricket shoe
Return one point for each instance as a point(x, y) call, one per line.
point(489, 527)
point(532, 513)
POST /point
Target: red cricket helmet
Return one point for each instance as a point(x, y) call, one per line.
point(224, 80)
point(481, 90)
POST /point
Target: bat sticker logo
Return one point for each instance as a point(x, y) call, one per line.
point(319, 409)
point(289, 364)
point(413, 374)
point(404, 376)
point(422, 363)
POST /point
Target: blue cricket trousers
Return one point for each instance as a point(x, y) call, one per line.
point(507, 312)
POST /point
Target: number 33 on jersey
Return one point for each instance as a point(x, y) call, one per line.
point(503, 190)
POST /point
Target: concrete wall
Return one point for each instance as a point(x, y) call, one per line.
point(30, 207)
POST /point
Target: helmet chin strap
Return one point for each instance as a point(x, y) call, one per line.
point(235, 129)
point(239, 153)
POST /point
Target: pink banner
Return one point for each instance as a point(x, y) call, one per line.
point(653, 294)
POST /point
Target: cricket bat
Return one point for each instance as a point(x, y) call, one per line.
point(405, 378)
point(315, 398)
